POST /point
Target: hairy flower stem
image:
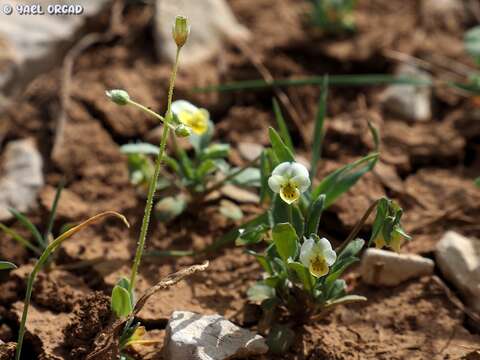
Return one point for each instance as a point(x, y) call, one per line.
point(153, 181)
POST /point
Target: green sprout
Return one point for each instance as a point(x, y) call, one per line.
point(45, 256)
point(334, 16)
point(42, 240)
point(191, 177)
point(302, 270)
point(6, 265)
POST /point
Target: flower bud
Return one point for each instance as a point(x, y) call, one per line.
point(180, 30)
point(119, 97)
point(182, 131)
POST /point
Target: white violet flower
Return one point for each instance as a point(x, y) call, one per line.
point(317, 255)
point(195, 118)
point(289, 179)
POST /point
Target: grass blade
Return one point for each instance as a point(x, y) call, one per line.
point(282, 126)
point(20, 239)
point(334, 80)
point(53, 212)
point(28, 224)
point(319, 131)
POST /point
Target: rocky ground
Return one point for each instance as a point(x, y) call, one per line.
point(429, 160)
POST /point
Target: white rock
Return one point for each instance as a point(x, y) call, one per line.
point(21, 177)
point(387, 268)
point(33, 42)
point(458, 258)
point(209, 337)
point(212, 22)
point(408, 101)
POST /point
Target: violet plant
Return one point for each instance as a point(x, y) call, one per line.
point(302, 270)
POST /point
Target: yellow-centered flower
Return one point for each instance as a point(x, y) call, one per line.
point(188, 114)
point(317, 255)
point(289, 179)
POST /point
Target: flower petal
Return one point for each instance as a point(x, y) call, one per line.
point(179, 106)
point(306, 251)
point(299, 170)
point(274, 182)
point(289, 192)
point(302, 182)
point(282, 169)
point(328, 253)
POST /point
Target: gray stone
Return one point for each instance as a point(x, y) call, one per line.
point(387, 268)
point(408, 101)
point(209, 337)
point(212, 22)
point(30, 44)
point(458, 258)
point(21, 178)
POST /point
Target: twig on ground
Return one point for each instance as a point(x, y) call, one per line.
point(68, 63)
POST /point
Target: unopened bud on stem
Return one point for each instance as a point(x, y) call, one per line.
point(119, 97)
point(180, 30)
point(182, 131)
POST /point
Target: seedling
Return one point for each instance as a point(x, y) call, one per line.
point(334, 16)
point(46, 254)
point(194, 177)
point(42, 241)
point(302, 270)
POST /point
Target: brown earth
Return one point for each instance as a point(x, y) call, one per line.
point(428, 167)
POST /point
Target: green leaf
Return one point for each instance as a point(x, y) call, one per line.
point(472, 42)
point(20, 239)
point(205, 168)
point(314, 215)
point(265, 172)
point(303, 274)
point(28, 224)
point(121, 303)
point(260, 292)
point(341, 180)
point(230, 210)
point(382, 208)
point(280, 339)
point(280, 210)
point(319, 131)
point(283, 153)
point(282, 126)
point(285, 240)
point(215, 151)
point(348, 299)
point(248, 177)
point(170, 207)
point(347, 257)
point(232, 235)
point(252, 235)
point(5, 265)
point(336, 290)
point(352, 249)
point(53, 212)
point(140, 148)
point(334, 80)
point(297, 220)
point(263, 261)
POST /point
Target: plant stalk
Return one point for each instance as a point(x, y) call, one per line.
point(153, 181)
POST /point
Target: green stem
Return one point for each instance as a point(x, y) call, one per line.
point(41, 261)
point(153, 181)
